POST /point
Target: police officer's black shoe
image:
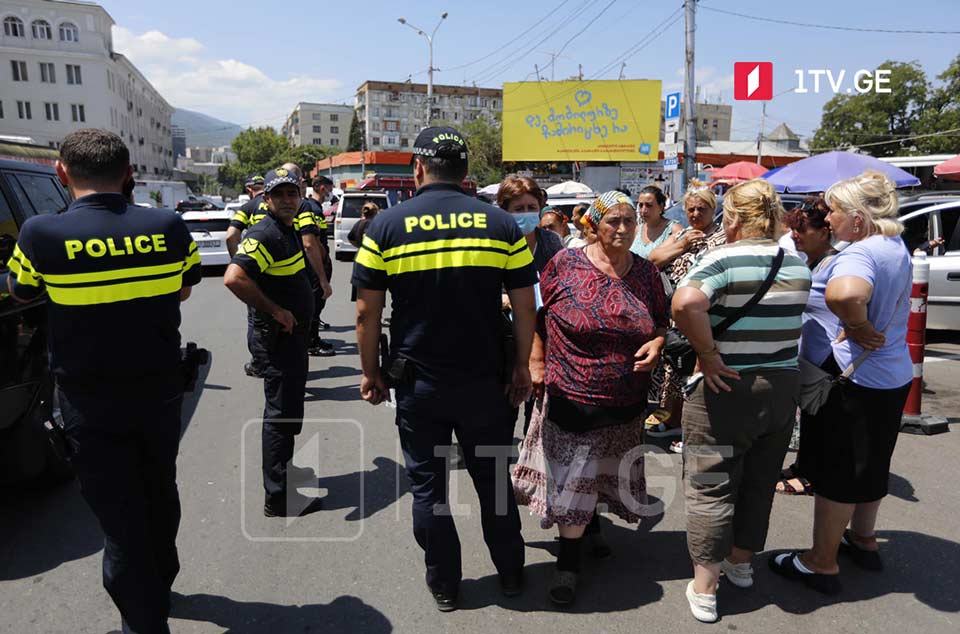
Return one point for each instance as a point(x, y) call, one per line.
point(323, 325)
point(511, 585)
point(253, 371)
point(322, 349)
point(295, 506)
point(446, 601)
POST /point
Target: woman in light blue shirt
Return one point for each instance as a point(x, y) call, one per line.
point(859, 302)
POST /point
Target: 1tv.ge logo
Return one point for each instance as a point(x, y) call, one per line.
point(753, 81)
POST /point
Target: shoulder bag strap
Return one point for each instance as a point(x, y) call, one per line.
point(724, 325)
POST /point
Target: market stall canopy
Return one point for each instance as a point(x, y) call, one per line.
point(818, 173)
point(948, 170)
point(738, 171)
point(568, 188)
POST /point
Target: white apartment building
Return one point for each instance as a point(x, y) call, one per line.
point(393, 113)
point(59, 73)
point(319, 124)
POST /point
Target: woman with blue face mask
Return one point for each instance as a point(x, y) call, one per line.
point(523, 199)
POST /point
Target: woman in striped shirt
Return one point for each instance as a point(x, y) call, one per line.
point(738, 420)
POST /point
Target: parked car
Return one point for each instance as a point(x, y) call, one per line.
point(209, 231)
point(26, 385)
point(348, 214)
point(933, 216)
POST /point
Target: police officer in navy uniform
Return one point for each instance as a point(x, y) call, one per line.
point(321, 190)
point(115, 275)
point(445, 256)
point(312, 229)
point(268, 273)
point(249, 214)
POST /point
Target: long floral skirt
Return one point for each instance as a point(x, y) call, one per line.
point(563, 476)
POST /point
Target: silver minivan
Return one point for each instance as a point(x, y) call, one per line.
point(925, 218)
point(348, 214)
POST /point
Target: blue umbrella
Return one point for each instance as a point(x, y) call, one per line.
point(818, 173)
point(771, 172)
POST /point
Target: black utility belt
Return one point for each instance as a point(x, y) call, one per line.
point(579, 418)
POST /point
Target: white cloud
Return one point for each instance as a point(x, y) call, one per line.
point(712, 85)
point(188, 77)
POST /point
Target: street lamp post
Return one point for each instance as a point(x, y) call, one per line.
point(430, 69)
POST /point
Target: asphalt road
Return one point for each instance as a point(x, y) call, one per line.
point(354, 567)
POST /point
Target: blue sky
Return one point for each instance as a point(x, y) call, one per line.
point(250, 62)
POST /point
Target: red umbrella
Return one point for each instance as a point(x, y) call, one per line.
point(739, 171)
point(948, 170)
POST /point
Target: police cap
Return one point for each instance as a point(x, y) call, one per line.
point(277, 177)
point(440, 142)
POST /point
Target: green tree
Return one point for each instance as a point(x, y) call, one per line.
point(484, 140)
point(942, 113)
point(256, 150)
point(355, 142)
point(861, 119)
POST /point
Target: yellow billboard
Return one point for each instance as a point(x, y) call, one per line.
point(616, 120)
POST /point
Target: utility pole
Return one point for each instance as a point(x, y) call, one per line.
point(763, 116)
point(580, 72)
point(430, 68)
point(690, 149)
point(623, 66)
point(537, 71)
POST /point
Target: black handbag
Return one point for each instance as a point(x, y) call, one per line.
point(677, 351)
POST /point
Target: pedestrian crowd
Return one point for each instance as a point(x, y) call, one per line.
point(736, 327)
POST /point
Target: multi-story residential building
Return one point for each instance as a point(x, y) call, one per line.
point(319, 124)
point(59, 73)
point(393, 113)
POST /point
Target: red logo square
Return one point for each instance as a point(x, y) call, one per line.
point(753, 80)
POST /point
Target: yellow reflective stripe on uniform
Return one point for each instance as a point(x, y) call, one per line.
point(241, 217)
point(289, 266)
point(304, 220)
point(193, 257)
point(110, 293)
point(520, 255)
point(321, 222)
point(22, 268)
point(115, 274)
point(369, 255)
point(255, 250)
point(445, 260)
point(455, 243)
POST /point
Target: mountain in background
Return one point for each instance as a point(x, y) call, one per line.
point(203, 130)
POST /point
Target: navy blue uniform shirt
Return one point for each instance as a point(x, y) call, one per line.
point(271, 254)
point(445, 258)
point(113, 274)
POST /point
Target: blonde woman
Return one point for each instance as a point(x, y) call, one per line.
point(858, 303)
point(675, 257)
point(738, 420)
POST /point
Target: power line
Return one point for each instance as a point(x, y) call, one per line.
point(831, 27)
point(512, 57)
point(500, 48)
point(909, 138)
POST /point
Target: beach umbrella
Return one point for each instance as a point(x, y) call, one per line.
point(948, 170)
point(739, 171)
point(818, 173)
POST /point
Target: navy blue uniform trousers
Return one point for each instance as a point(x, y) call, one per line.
point(124, 454)
point(258, 354)
point(285, 379)
point(480, 416)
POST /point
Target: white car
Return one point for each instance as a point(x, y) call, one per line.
point(926, 218)
point(348, 214)
point(209, 231)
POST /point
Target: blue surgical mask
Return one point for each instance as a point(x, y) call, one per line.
point(527, 221)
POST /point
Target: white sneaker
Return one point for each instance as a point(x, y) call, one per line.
point(703, 606)
point(740, 575)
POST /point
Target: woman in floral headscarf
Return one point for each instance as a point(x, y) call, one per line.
point(603, 323)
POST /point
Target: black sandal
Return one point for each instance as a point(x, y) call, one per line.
point(861, 557)
point(785, 565)
point(563, 588)
point(785, 488)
